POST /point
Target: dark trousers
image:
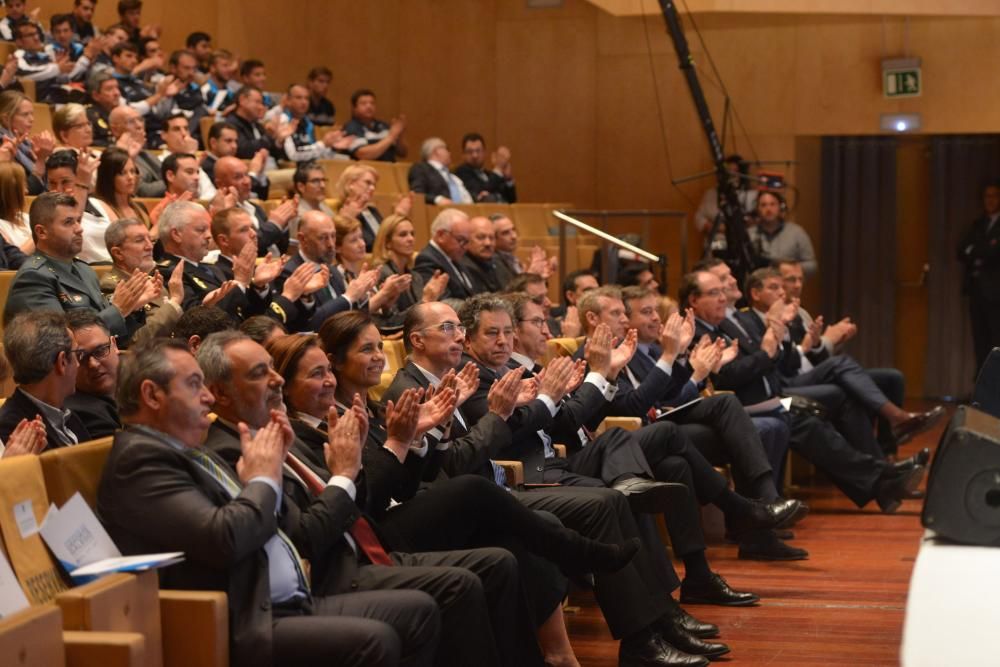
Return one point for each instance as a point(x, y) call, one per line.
point(843, 371)
point(608, 458)
point(674, 459)
point(892, 383)
point(774, 437)
point(367, 629)
point(854, 473)
point(635, 596)
point(731, 439)
point(847, 415)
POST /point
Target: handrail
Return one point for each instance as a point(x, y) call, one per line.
point(567, 216)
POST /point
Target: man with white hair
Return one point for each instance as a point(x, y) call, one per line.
point(432, 179)
point(450, 234)
point(185, 234)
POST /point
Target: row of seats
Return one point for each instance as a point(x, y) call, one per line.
point(117, 620)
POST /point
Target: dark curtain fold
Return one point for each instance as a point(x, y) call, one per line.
point(960, 166)
point(858, 256)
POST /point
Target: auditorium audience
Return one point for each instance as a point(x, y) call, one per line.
point(131, 248)
point(45, 361)
point(271, 226)
point(376, 139)
point(114, 199)
point(93, 402)
point(355, 189)
point(164, 403)
point(53, 279)
point(302, 144)
point(449, 238)
point(321, 109)
point(496, 185)
point(17, 117)
point(129, 134)
point(14, 223)
point(431, 178)
point(72, 129)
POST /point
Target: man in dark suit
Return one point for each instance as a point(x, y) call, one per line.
point(979, 253)
point(52, 279)
point(251, 135)
point(717, 425)
point(486, 186)
point(317, 238)
point(247, 390)
point(40, 350)
point(817, 342)
point(766, 292)
point(479, 262)
point(450, 234)
point(94, 399)
point(755, 378)
point(636, 600)
point(234, 529)
point(185, 233)
point(432, 179)
point(272, 227)
point(223, 142)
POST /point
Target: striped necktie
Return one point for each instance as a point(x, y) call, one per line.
point(233, 488)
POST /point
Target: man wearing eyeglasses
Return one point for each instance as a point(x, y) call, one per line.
point(450, 235)
point(41, 351)
point(40, 63)
point(94, 399)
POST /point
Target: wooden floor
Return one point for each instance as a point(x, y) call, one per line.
point(843, 606)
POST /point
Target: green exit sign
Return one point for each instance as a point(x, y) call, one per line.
point(901, 77)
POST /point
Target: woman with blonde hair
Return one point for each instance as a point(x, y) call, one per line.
point(392, 254)
point(72, 128)
point(355, 191)
point(14, 224)
point(17, 117)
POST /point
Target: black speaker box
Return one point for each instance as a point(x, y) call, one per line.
point(963, 490)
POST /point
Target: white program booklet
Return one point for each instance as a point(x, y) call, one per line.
point(85, 550)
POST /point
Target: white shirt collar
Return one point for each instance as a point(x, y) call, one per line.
point(523, 360)
point(433, 379)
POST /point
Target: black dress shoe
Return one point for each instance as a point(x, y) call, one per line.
point(646, 496)
point(892, 489)
point(694, 626)
point(765, 545)
point(777, 513)
point(916, 424)
point(715, 591)
point(654, 652)
point(674, 634)
point(921, 458)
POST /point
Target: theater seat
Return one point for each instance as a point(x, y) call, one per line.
point(34, 637)
point(71, 469)
point(561, 347)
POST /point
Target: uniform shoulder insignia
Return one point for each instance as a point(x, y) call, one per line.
point(199, 282)
point(280, 312)
point(745, 309)
point(163, 262)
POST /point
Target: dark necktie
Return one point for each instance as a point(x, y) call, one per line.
point(362, 531)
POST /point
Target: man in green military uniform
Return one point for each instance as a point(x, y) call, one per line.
point(131, 248)
point(52, 279)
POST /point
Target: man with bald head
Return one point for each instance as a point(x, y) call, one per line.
point(450, 235)
point(480, 262)
point(272, 228)
point(128, 131)
point(317, 239)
